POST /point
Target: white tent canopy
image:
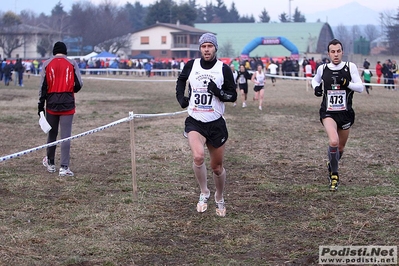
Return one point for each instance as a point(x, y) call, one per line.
point(84, 57)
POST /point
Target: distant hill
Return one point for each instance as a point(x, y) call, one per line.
point(348, 15)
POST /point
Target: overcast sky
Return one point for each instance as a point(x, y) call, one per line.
point(244, 7)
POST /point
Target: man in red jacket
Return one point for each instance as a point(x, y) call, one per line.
point(60, 80)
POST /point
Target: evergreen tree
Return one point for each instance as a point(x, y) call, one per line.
point(298, 17)
point(185, 14)
point(161, 11)
point(136, 14)
point(209, 12)
point(247, 19)
point(221, 13)
point(200, 13)
point(233, 15)
point(283, 17)
point(264, 16)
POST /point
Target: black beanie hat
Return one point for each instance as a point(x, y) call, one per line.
point(59, 48)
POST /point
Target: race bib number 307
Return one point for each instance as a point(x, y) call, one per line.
point(336, 100)
point(202, 100)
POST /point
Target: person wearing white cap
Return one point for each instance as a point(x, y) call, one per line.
point(211, 84)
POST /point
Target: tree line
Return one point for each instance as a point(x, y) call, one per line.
point(108, 27)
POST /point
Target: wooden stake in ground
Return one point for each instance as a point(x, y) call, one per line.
point(133, 155)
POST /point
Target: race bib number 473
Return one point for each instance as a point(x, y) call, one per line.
point(336, 100)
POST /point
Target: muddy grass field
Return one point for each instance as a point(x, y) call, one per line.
point(279, 209)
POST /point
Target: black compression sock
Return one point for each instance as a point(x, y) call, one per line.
point(333, 156)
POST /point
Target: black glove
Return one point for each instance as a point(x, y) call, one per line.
point(184, 102)
point(40, 108)
point(213, 89)
point(318, 91)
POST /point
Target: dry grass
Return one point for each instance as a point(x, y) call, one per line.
point(279, 207)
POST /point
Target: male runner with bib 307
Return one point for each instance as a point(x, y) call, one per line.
point(211, 84)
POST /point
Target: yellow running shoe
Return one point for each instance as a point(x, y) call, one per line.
point(334, 182)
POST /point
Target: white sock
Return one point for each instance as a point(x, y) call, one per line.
point(201, 175)
point(220, 181)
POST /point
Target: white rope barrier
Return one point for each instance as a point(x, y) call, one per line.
point(310, 78)
point(159, 115)
point(131, 117)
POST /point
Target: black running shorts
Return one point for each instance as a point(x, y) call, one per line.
point(244, 87)
point(343, 119)
point(258, 88)
point(215, 132)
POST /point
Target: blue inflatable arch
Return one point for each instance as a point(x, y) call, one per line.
point(270, 41)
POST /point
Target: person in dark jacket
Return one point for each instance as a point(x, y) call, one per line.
point(60, 80)
point(19, 69)
point(3, 62)
point(7, 72)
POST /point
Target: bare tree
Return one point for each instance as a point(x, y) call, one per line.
point(226, 50)
point(45, 44)
point(387, 19)
point(342, 34)
point(101, 26)
point(115, 44)
point(11, 38)
point(356, 32)
point(371, 32)
point(392, 32)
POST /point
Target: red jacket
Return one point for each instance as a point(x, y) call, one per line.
point(60, 80)
point(378, 69)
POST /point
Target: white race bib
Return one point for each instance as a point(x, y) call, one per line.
point(336, 100)
point(202, 100)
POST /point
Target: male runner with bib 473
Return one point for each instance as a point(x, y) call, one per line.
point(340, 80)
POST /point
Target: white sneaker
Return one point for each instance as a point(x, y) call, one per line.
point(260, 108)
point(234, 104)
point(50, 167)
point(65, 172)
point(244, 105)
point(202, 204)
point(220, 208)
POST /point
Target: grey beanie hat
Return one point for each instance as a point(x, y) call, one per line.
point(208, 37)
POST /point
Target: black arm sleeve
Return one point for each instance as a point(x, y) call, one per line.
point(181, 81)
point(228, 87)
point(248, 75)
point(43, 92)
point(77, 86)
